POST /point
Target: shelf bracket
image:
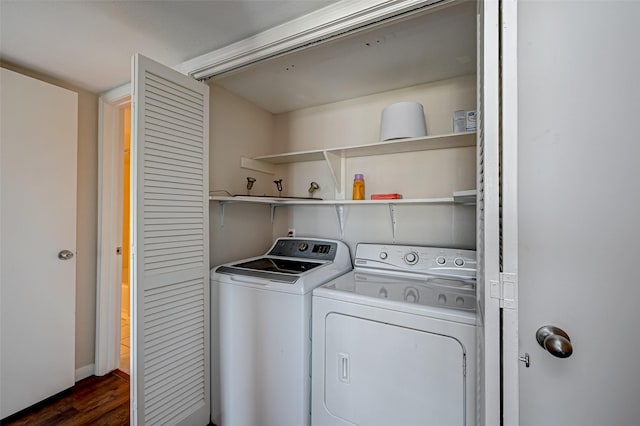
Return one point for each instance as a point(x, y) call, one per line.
point(337, 167)
point(222, 204)
point(392, 213)
point(340, 214)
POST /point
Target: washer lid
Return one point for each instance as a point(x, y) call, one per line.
point(283, 266)
point(271, 269)
point(426, 291)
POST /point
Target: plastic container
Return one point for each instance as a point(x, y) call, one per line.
point(358, 187)
point(403, 120)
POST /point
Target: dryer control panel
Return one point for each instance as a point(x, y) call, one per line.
point(449, 262)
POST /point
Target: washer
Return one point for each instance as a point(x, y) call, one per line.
point(394, 340)
point(265, 331)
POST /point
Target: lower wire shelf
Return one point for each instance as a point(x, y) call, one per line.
point(467, 197)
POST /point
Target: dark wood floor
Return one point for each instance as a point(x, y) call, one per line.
point(92, 401)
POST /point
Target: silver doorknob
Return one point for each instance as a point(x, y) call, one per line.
point(65, 255)
point(555, 340)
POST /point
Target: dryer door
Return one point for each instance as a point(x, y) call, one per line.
point(382, 374)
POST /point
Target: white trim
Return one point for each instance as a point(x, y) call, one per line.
point(313, 28)
point(510, 357)
point(84, 372)
point(119, 96)
point(108, 291)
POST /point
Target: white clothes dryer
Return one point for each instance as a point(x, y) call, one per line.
point(394, 340)
point(264, 346)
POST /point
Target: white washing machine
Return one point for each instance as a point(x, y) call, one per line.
point(264, 313)
point(394, 340)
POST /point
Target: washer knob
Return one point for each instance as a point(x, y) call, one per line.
point(411, 258)
point(441, 260)
point(383, 255)
point(442, 299)
point(303, 246)
point(459, 261)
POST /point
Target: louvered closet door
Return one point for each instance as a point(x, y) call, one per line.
point(170, 377)
point(488, 214)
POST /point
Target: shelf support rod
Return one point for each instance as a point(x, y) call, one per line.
point(340, 214)
point(273, 212)
point(392, 213)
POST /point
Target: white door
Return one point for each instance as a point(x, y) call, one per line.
point(38, 148)
point(170, 233)
point(579, 210)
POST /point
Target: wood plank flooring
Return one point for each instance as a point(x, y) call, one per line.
point(93, 401)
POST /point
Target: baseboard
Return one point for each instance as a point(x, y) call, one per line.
point(84, 372)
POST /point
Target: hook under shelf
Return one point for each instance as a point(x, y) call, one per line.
point(392, 213)
point(340, 214)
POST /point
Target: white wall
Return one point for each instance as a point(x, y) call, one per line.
point(424, 174)
point(240, 128)
point(237, 128)
point(357, 121)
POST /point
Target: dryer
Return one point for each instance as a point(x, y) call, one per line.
point(394, 340)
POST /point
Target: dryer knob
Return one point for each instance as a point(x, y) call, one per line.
point(459, 262)
point(383, 255)
point(441, 260)
point(459, 301)
point(411, 295)
point(442, 299)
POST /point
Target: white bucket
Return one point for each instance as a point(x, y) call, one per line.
point(403, 120)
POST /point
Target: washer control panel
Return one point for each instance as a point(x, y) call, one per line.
point(307, 248)
point(420, 259)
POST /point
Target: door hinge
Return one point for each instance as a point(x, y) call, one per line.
point(506, 290)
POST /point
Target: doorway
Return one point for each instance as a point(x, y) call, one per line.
point(113, 307)
point(125, 300)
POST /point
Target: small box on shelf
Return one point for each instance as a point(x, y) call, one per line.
point(464, 121)
point(394, 196)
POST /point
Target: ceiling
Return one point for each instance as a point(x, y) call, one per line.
point(89, 43)
point(435, 44)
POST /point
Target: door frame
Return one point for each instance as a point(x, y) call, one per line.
point(332, 21)
point(110, 203)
